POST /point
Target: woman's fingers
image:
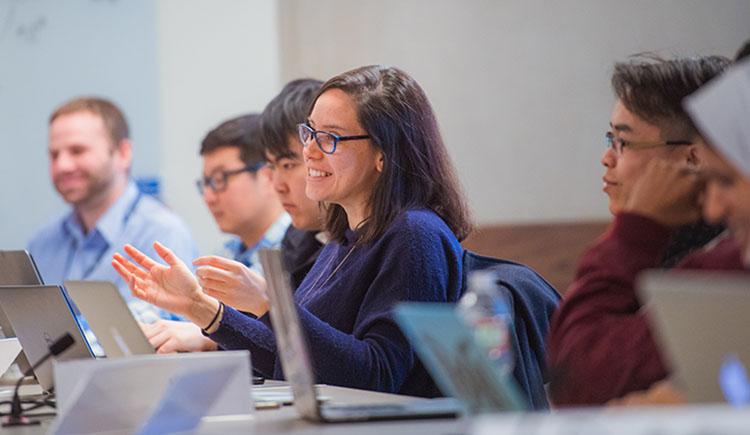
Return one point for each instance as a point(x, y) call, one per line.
point(121, 270)
point(140, 289)
point(215, 288)
point(149, 329)
point(212, 273)
point(128, 274)
point(166, 254)
point(216, 261)
point(129, 266)
point(159, 338)
point(131, 279)
point(140, 257)
point(169, 346)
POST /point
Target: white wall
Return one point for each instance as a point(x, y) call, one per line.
point(176, 67)
point(217, 60)
point(51, 51)
point(521, 87)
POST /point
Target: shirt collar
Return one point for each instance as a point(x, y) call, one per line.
point(112, 222)
point(323, 237)
point(271, 238)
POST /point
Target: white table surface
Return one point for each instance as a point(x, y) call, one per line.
point(285, 420)
point(686, 420)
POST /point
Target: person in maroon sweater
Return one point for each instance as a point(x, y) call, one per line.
point(600, 345)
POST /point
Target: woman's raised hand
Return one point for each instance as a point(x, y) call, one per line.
point(172, 287)
point(232, 283)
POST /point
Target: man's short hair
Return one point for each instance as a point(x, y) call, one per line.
point(242, 132)
point(653, 89)
point(111, 115)
point(284, 112)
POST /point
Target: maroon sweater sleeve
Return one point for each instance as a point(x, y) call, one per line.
point(600, 346)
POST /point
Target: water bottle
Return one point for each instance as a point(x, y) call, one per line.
point(487, 312)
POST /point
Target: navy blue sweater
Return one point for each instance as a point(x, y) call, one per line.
point(353, 339)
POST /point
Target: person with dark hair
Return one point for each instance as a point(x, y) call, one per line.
point(720, 110)
point(90, 155)
point(304, 239)
point(374, 155)
point(237, 189)
point(594, 354)
point(277, 132)
point(649, 112)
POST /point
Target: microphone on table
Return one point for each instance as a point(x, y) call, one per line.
point(16, 411)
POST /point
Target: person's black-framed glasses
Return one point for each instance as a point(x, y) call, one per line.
point(618, 144)
point(326, 141)
point(218, 180)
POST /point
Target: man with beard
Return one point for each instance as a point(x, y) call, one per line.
point(90, 154)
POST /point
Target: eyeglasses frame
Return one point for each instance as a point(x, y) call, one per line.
point(336, 138)
point(612, 140)
point(204, 182)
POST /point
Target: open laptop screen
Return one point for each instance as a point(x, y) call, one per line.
point(700, 319)
point(291, 343)
point(40, 315)
point(16, 268)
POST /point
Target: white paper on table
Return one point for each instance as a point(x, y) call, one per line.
point(10, 348)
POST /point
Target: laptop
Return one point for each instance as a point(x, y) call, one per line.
point(295, 360)
point(702, 321)
point(109, 317)
point(459, 366)
point(40, 315)
point(16, 268)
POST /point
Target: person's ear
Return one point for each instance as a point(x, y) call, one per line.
point(124, 151)
point(380, 163)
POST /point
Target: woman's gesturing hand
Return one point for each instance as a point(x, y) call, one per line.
point(232, 283)
point(172, 287)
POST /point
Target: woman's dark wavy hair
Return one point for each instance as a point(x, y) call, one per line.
point(417, 171)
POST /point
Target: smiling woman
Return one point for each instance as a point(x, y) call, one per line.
point(375, 158)
point(346, 173)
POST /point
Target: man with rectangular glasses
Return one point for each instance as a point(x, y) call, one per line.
point(600, 346)
point(238, 190)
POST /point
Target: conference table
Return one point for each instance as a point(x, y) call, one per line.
point(285, 420)
point(683, 420)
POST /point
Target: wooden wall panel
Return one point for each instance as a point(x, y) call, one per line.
point(552, 249)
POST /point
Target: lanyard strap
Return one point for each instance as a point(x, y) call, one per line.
point(87, 273)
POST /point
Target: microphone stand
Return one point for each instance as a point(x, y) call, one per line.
point(16, 417)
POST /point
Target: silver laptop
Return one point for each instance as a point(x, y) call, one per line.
point(295, 361)
point(16, 268)
point(109, 317)
point(39, 316)
point(702, 322)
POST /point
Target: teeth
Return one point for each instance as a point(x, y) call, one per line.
point(317, 174)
